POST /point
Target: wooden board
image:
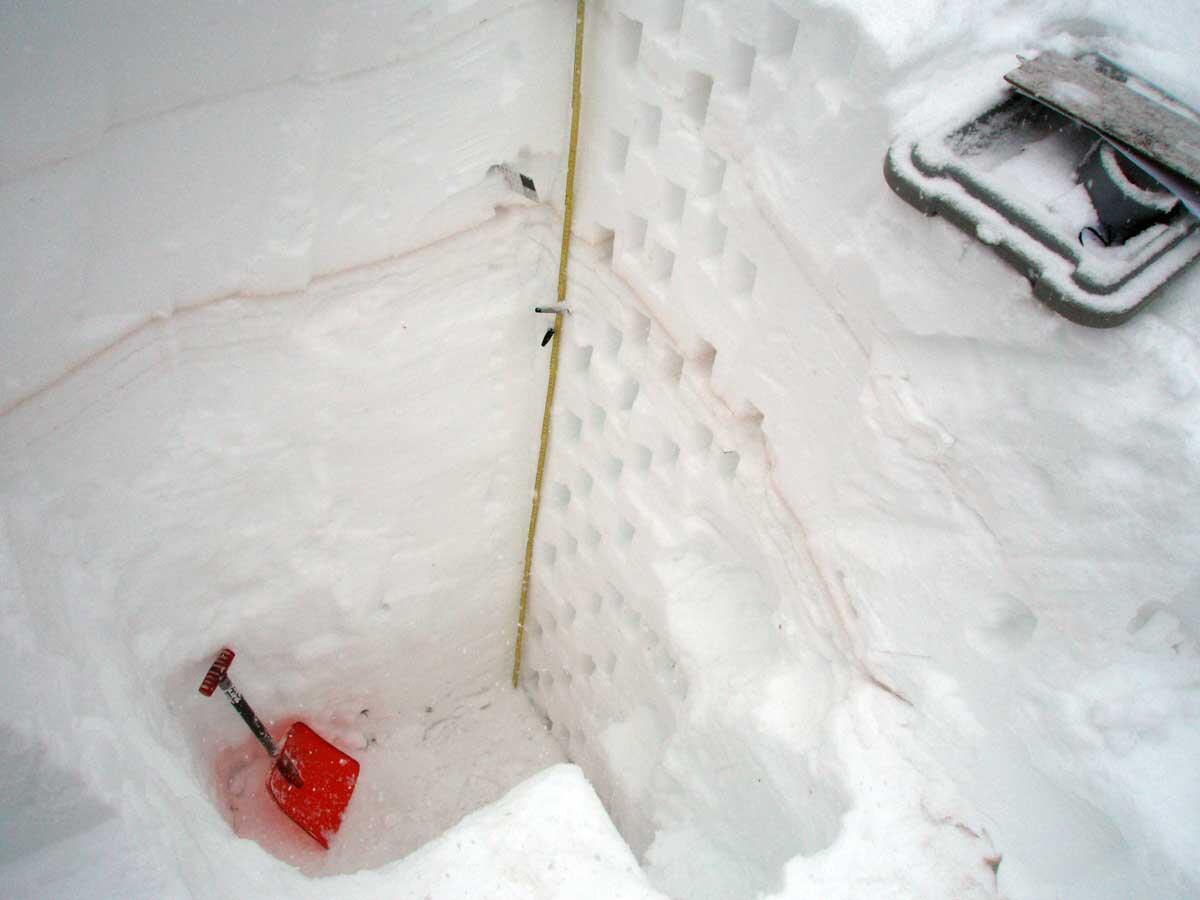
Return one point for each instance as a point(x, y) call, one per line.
point(1113, 108)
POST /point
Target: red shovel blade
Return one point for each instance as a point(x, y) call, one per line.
point(329, 776)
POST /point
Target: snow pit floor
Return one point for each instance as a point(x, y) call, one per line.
point(423, 770)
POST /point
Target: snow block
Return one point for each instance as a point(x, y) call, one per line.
point(549, 838)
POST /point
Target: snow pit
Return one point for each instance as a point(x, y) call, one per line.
point(254, 523)
point(423, 774)
point(858, 573)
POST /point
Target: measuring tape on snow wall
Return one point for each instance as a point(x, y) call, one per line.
point(552, 380)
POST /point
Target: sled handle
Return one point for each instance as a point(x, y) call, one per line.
point(216, 672)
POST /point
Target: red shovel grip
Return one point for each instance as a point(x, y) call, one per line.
point(216, 672)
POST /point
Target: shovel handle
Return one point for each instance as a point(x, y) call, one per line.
point(218, 676)
point(216, 672)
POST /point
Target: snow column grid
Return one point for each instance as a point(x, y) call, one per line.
point(637, 451)
point(660, 553)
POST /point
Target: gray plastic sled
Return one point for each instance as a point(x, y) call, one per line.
point(1060, 197)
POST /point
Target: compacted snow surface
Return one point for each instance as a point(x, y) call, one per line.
point(422, 771)
point(859, 573)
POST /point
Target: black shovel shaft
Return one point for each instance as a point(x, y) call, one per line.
point(238, 702)
point(260, 731)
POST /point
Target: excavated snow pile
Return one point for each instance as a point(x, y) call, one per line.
point(859, 573)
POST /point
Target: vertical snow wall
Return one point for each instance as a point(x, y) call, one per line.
point(820, 465)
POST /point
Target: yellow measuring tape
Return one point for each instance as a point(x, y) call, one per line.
point(564, 251)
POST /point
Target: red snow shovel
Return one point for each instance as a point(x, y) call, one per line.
point(312, 780)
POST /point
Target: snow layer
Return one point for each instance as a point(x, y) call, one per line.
point(158, 161)
point(861, 573)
